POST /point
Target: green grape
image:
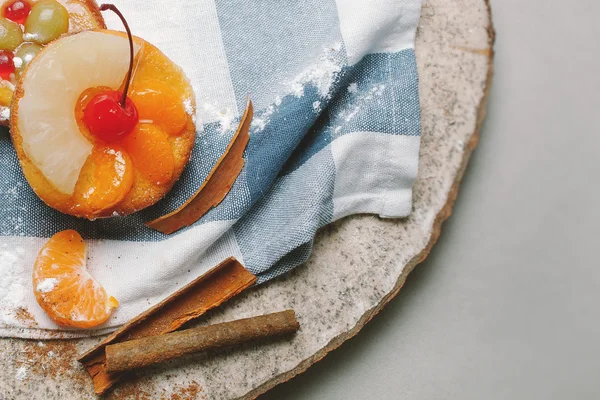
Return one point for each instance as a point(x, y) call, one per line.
point(46, 22)
point(24, 55)
point(11, 35)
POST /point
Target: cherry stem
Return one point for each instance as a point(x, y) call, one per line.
point(114, 9)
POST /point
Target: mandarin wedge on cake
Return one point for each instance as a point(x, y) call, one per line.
point(26, 26)
point(103, 123)
point(63, 287)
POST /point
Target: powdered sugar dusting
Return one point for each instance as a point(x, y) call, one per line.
point(189, 108)
point(260, 121)
point(224, 116)
point(11, 225)
point(5, 114)
point(21, 374)
point(355, 107)
point(321, 74)
point(350, 116)
point(46, 285)
point(13, 284)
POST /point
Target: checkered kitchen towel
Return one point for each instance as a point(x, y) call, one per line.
point(336, 132)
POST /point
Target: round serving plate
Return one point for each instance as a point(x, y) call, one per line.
point(359, 263)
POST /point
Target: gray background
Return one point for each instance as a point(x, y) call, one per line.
point(506, 306)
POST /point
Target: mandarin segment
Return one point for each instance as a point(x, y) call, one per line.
point(158, 102)
point(151, 153)
point(105, 179)
point(64, 288)
point(155, 65)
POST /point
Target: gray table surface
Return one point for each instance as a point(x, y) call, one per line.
point(506, 306)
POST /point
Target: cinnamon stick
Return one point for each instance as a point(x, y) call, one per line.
point(206, 292)
point(215, 187)
point(152, 350)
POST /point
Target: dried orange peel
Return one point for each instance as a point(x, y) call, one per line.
point(63, 287)
point(75, 172)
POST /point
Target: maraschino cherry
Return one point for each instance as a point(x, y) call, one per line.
point(7, 65)
point(111, 115)
point(17, 11)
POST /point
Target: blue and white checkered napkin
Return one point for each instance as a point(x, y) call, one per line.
point(336, 132)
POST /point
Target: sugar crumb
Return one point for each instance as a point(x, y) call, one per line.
point(189, 108)
point(21, 373)
point(317, 106)
point(5, 114)
point(47, 285)
point(322, 75)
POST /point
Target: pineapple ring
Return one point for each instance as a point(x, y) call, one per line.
point(59, 157)
point(83, 15)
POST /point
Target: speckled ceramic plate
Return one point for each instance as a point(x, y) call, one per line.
point(358, 266)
